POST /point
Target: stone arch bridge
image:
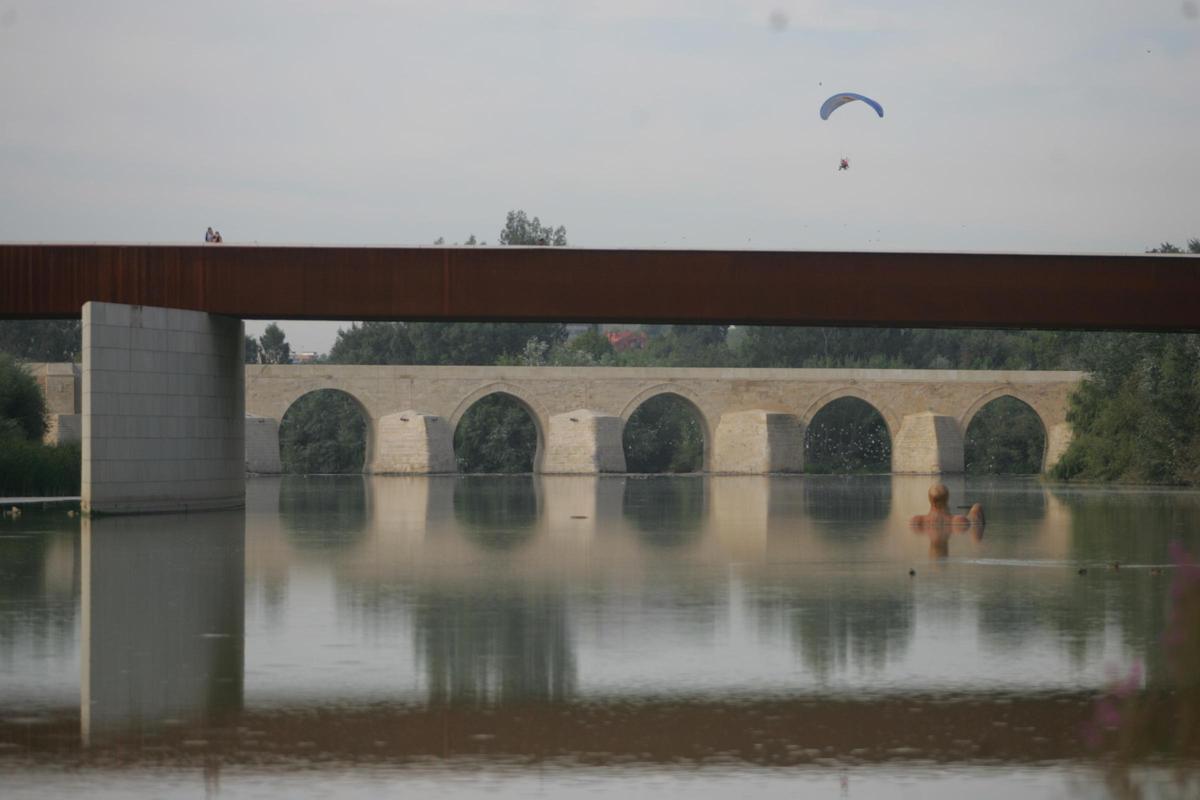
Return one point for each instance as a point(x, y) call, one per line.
point(753, 419)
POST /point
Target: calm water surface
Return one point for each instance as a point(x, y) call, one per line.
point(583, 636)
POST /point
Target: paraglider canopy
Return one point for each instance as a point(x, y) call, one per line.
point(839, 100)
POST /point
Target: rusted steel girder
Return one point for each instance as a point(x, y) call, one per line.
point(1143, 292)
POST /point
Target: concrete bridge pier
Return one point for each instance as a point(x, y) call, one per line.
point(928, 444)
point(758, 442)
point(163, 410)
point(583, 442)
point(410, 443)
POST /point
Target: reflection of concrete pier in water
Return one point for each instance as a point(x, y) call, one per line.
point(162, 627)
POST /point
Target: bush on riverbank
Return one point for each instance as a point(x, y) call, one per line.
point(22, 406)
point(33, 469)
point(28, 467)
point(1137, 416)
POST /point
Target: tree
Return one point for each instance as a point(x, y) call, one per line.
point(1193, 247)
point(478, 343)
point(274, 346)
point(22, 406)
point(441, 343)
point(519, 229)
point(496, 435)
point(664, 435)
point(847, 436)
point(323, 433)
point(373, 343)
point(594, 344)
point(688, 345)
point(471, 241)
point(914, 348)
point(1005, 438)
point(42, 339)
point(251, 350)
point(1137, 416)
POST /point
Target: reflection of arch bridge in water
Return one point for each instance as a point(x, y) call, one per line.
point(753, 420)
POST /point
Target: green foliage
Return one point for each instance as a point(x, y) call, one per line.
point(1005, 438)
point(593, 344)
point(323, 433)
point(520, 229)
point(251, 350)
point(42, 340)
point(847, 436)
point(496, 434)
point(33, 469)
point(21, 400)
point(439, 343)
point(1137, 417)
point(912, 348)
point(273, 346)
point(482, 343)
point(1193, 247)
point(664, 435)
point(470, 241)
point(683, 346)
point(372, 343)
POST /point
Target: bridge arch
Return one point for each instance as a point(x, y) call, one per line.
point(289, 401)
point(1013, 428)
point(1007, 390)
point(889, 417)
point(526, 399)
point(689, 397)
point(849, 445)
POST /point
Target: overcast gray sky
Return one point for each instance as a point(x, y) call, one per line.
point(1030, 125)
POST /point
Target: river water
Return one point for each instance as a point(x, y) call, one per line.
point(577, 636)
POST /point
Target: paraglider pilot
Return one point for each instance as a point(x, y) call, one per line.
point(844, 165)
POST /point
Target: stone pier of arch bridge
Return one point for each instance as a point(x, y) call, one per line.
point(753, 420)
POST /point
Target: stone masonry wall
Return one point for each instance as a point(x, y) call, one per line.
point(409, 442)
point(928, 444)
point(583, 442)
point(758, 442)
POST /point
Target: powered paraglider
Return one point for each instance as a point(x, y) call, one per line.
point(839, 100)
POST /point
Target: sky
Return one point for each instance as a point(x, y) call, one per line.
point(1026, 125)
